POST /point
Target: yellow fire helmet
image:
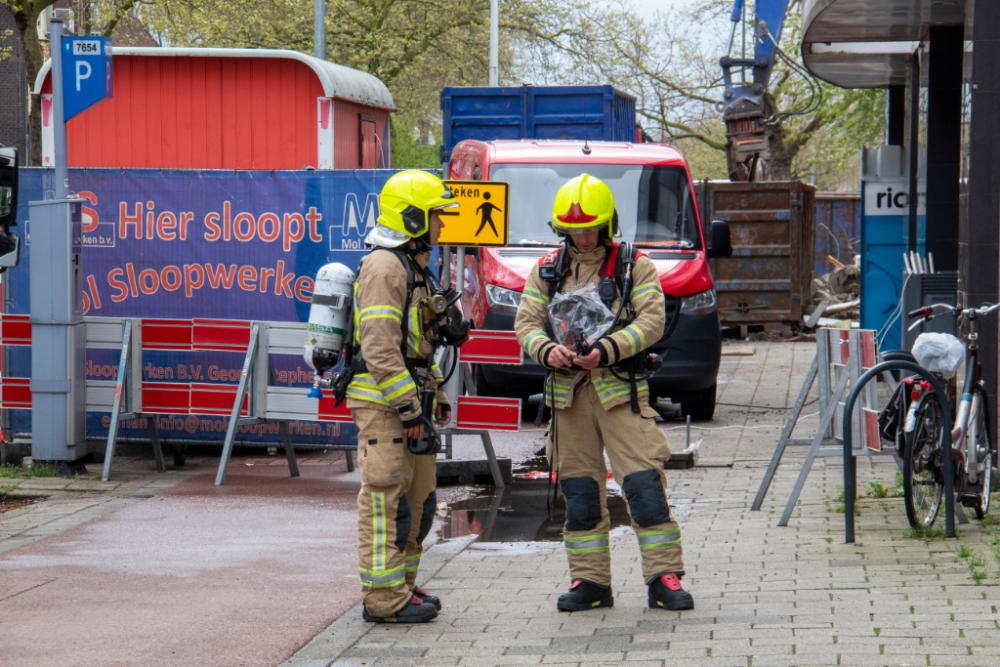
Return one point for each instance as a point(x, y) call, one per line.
point(405, 205)
point(582, 205)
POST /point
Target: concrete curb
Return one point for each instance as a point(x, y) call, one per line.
point(325, 648)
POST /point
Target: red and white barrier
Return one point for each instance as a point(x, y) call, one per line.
point(15, 330)
point(132, 396)
point(491, 347)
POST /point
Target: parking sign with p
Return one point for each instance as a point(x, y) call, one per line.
point(87, 75)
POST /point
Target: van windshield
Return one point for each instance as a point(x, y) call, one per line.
point(654, 203)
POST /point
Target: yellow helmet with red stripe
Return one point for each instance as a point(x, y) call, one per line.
point(583, 204)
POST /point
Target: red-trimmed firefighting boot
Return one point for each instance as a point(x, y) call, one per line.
point(584, 595)
point(665, 592)
point(427, 597)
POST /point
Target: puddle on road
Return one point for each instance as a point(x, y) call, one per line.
point(519, 515)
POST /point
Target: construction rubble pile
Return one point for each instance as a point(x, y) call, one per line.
point(836, 300)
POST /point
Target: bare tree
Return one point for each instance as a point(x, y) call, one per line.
point(669, 61)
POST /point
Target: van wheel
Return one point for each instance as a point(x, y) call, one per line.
point(483, 388)
point(703, 409)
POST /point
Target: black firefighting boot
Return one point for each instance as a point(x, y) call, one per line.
point(427, 597)
point(585, 595)
point(414, 611)
point(665, 592)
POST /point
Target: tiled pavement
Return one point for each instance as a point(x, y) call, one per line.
point(765, 595)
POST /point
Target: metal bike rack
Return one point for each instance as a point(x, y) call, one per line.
point(850, 463)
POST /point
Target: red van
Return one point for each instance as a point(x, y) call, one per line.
point(657, 211)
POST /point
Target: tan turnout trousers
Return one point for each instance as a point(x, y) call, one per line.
point(396, 507)
point(636, 448)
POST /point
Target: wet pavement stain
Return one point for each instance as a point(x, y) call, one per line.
point(521, 513)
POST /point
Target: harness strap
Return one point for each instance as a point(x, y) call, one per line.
point(633, 391)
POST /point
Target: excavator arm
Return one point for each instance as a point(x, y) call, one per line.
point(743, 103)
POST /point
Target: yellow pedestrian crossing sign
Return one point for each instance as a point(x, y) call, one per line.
point(481, 218)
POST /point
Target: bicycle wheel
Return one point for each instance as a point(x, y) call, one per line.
point(985, 452)
point(923, 482)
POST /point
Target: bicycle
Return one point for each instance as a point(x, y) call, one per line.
point(973, 446)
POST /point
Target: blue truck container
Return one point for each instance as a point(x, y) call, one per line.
point(595, 113)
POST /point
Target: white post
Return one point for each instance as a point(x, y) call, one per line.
point(58, 116)
point(494, 43)
point(319, 29)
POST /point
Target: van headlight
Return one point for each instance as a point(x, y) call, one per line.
point(504, 300)
point(702, 303)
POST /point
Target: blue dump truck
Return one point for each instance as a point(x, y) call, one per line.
point(583, 113)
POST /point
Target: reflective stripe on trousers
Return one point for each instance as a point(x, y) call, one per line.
point(383, 579)
point(378, 576)
point(586, 544)
point(378, 530)
point(652, 539)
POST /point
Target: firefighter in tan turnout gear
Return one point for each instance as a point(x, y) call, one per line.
point(599, 402)
point(396, 338)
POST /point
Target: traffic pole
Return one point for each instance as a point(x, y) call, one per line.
point(494, 43)
point(58, 116)
point(319, 29)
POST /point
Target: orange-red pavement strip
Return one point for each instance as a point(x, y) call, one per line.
point(242, 575)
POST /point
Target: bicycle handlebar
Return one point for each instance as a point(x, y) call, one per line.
point(927, 312)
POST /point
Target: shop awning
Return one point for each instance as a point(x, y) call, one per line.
point(866, 43)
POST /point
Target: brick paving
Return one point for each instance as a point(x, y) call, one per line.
point(765, 595)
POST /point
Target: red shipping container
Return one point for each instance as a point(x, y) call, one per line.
point(227, 109)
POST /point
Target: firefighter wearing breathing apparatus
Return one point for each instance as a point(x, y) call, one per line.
point(600, 401)
point(393, 389)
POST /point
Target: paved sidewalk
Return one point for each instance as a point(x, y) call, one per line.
point(68, 502)
point(764, 595)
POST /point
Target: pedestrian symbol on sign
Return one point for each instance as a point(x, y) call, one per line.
point(481, 204)
point(487, 208)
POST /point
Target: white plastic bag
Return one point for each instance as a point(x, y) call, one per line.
point(939, 353)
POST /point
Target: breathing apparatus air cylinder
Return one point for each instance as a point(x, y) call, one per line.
point(329, 320)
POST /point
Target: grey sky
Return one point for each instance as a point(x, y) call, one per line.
point(651, 6)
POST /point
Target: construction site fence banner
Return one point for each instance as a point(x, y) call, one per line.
point(241, 245)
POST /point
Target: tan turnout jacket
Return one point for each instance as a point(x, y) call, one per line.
point(380, 293)
point(624, 342)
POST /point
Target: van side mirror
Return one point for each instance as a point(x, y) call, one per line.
point(8, 187)
point(721, 244)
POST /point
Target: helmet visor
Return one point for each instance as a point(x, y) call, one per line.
point(445, 200)
point(573, 231)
